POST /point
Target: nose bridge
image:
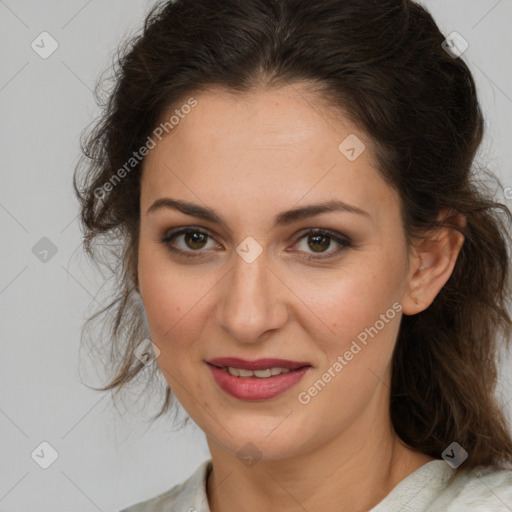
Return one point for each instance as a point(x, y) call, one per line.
point(250, 304)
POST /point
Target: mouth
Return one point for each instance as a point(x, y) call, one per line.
point(256, 380)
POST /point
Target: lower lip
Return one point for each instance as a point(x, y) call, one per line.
point(254, 388)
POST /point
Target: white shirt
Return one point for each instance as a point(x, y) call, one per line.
point(434, 487)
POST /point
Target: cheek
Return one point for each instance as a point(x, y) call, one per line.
point(362, 311)
point(354, 300)
point(162, 292)
point(173, 300)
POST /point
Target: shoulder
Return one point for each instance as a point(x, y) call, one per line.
point(189, 496)
point(478, 489)
point(436, 487)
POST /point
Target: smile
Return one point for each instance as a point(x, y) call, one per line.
point(256, 385)
point(261, 374)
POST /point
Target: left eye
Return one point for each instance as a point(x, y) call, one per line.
point(317, 240)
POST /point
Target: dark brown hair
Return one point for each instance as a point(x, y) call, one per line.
point(381, 63)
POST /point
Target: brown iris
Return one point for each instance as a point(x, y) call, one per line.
point(195, 238)
point(318, 238)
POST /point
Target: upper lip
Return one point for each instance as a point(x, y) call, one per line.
point(258, 364)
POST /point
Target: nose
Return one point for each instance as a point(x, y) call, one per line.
point(252, 301)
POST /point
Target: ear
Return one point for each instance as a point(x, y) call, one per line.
point(432, 262)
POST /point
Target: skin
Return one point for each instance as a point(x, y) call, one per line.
point(250, 157)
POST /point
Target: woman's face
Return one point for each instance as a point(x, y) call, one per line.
point(250, 281)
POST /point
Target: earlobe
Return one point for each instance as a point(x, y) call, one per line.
point(433, 262)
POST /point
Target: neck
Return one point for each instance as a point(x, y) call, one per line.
point(354, 472)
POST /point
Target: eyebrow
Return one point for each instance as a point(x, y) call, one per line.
point(282, 219)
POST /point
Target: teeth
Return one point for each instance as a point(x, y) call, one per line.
point(261, 374)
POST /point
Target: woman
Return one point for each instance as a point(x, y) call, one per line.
point(307, 255)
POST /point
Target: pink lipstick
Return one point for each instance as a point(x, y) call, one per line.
point(256, 380)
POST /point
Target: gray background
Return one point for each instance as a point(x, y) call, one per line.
point(107, 461)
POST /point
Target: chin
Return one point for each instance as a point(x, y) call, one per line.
point(268, 440)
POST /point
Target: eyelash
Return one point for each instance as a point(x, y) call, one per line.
point(343, 241)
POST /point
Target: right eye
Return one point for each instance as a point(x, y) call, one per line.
point(194, 239)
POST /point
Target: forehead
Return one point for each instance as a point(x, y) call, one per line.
point(268, 148)
point(277, 116)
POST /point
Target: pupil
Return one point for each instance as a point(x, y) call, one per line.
point(194, 238)
point(317, 238)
